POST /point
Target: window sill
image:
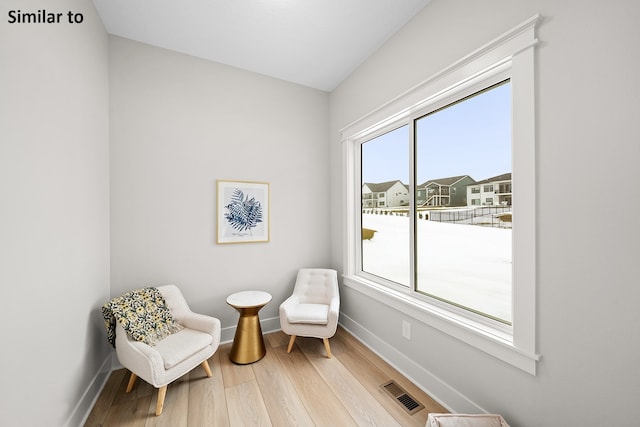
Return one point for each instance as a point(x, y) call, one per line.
point(479, 335)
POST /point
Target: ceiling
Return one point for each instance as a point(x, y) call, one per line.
point(316, 43)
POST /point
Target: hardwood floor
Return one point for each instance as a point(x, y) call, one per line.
point(302, 388)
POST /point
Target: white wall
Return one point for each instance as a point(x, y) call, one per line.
point(54, 214)
point(588, 104)
point(178, 124)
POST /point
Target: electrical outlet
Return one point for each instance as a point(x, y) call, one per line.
point(406, 330)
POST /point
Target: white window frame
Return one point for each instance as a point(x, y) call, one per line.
point(508, 56)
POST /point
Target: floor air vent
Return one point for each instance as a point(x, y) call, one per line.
point(402, 397)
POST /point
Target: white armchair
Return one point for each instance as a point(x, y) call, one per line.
point(312, 310)
point(175, 355)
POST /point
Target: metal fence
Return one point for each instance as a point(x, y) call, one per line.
point(488, 216)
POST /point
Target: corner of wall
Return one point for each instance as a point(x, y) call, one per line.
point(82, 410)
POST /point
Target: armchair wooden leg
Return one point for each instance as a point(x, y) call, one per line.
point(207, 369)
point(132, 381)
point(291, 340)
point(162, 392)
point(326, 346)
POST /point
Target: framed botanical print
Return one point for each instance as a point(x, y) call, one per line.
point(243, 212)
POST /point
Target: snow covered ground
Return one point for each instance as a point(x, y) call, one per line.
point(469, 265)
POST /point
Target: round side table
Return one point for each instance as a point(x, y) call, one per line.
point(248, 344)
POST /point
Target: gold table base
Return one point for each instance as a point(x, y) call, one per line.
point(248, 343)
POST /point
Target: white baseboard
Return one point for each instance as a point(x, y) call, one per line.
point(435, 387)
point(82, 410)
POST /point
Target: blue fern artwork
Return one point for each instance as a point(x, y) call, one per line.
point(243, 213)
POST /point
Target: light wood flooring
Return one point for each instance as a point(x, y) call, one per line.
point(302, 388)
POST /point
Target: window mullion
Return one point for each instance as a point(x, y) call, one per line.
point(412, 206)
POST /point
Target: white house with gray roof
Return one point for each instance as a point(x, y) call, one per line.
point(384, 195)
point(494, 191)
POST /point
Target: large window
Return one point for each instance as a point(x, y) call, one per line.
point(463, 256)
point(462, 264)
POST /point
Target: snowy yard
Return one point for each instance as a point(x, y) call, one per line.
point(469, 265)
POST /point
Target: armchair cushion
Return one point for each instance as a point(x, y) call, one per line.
point(308, 313)
point(182, 345)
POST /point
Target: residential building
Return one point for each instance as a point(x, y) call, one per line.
point(389, 194)
point(494, 191)
point(450, 191)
